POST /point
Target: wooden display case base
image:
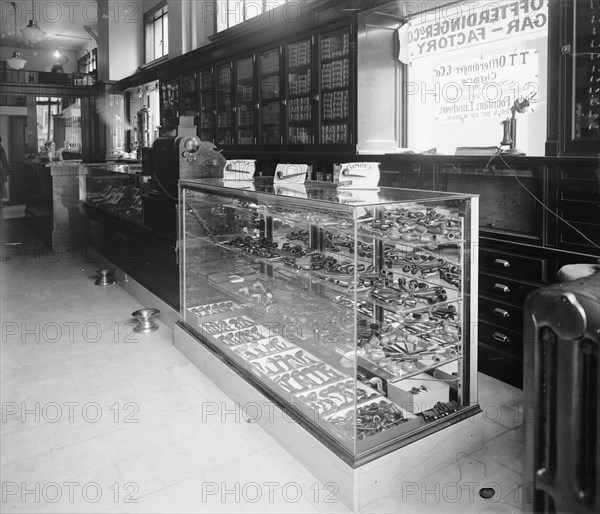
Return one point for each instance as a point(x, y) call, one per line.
point(358, 486)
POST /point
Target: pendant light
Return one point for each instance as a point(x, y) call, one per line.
point(16, 62)
point(32, 33)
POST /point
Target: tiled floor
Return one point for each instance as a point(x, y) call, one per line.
point(96, 418)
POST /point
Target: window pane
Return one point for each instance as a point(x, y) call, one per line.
point(165, 45)
point(221, 15)
point(464, 79)
point(235, 12)
point(158, 27)
point(271, 4)
point(253, 9)
point(149, 42)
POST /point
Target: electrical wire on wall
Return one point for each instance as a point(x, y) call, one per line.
point(487, 170)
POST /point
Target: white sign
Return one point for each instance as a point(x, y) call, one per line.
point(467, 24)
point(357, 175)
point(239, 169)
point(486, 86)
point(290, 173)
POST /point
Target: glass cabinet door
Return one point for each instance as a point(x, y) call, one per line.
point(190, 96)
point(206, 123)
point(270, 97)
point(169, 103)
point(299, 94)
point(335, 88)
point(224, 105)
point(245, 100)
point(586, 70)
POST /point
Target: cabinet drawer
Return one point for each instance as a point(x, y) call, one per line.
point(513, 265)
point(501, 314)
point(501, 366)
point(504, 288)
point(509, 341)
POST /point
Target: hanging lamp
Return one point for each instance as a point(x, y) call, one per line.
point(16, 62)
point(32, 33)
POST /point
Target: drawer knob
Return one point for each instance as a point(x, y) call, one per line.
point(501, 313)
point(502, 263)
point(502, 288)
point(501, 337)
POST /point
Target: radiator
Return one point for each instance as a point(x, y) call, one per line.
point(561, 470)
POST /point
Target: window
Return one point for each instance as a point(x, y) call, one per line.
point(233, 12)
point(156, 37)
point(46, 109)
point(467, 65)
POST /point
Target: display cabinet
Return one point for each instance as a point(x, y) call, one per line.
point(269, 73)
point(245, 101)
point(114, 126)
point(580, 71)
point(169, 105)
point(189, 95)
point(224, 107)
point(335, 87)
point(132, 225)
point(299, 92)
point(356, 309)
point(114, 189)
point(206, 123)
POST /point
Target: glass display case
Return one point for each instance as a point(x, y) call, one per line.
point(115, 131)
point(115, 189)
point(357, 309)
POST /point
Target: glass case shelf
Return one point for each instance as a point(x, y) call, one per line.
point(349, 310)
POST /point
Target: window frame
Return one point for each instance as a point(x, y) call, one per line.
point(151, 18)
point(264, 3)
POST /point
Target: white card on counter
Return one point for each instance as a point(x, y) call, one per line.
point(357, 175)
point(239, 169)
point(290, 173)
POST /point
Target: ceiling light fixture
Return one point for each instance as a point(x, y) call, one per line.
point(16, 62)
point(32, 32)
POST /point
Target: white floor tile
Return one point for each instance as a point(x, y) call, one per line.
point(167, 436)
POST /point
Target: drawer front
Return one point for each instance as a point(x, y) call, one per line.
point(494, 336)
point(504, 288)
point(502, 314)
point(501, 366)
point(513, 265)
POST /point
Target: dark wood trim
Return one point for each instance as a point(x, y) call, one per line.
point(554, 70)
point(264, 32)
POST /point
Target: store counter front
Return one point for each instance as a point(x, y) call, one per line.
point(114, 197)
